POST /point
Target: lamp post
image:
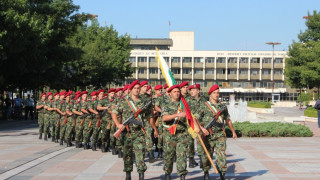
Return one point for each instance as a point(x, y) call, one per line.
point(272, 63)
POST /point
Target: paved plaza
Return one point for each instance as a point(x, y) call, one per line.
point(23, 156)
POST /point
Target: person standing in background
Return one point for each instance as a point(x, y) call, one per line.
point(29, 106)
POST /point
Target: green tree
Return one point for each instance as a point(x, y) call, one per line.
point(303, 65)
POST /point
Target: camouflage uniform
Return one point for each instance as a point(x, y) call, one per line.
point(54, 120)
point(161, 101)
point(85, 105)
point(94, 129)
point(41, 114)
point(105, 123)
point(134, 140)
point(48, 118)
point(113, 127)
point(79, 119)
point(119, 140)
point(62, 107)
point(149, 142)
point(71, 122)
point(190, 149)
point(216, 141)
point(175, 144)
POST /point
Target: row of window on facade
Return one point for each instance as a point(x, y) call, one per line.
point(211, 71)
point(209, 60)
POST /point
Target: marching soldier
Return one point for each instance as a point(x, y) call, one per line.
point(175, 134)
point(149, 91)
point(216, 140)
point(48, 116)
point(55, 118)
point(41, 113)
point(76, 109)
point(111, 97)
point(190, 150)
point(134, 135)
point(71, 121)
point(125, 90)
point(62, 116)
point(158, 123)
point(92, 128)
point(119, 140)
point(85, 118)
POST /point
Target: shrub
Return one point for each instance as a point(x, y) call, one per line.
point(311, 112)
point(259, 104)
point(269, 129)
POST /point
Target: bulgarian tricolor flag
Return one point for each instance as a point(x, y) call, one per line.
point(171, 81)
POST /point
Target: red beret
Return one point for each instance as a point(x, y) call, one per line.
point(77, 96)
point(84, 92)
point(43, 94)
point(213, 88)
point(57, 93)
point(94, 93)
point(111, 90)
point(101, 90)
point(144, 83)
point(195, 86)
point(78, 92)
point(157, 87)
point(119, 89)
point(49, 93)
point(125, 87)
point(149, 87)
point(184, 83)
point(133, 84)
point(172, 87)
point(165, 86)
point(69, 93)
point(62, 93)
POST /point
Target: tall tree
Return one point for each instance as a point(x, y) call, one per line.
point(303, 65)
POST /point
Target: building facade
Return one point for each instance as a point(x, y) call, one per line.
point(250, 75)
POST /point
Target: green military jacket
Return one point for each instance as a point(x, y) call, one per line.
point(124, 109)
point(93, 105)
point(77, 107)
point(42, 110)
point(49, 104)
point(104, 102)
point(195, 104)
point(172, 108)
point(205, 115)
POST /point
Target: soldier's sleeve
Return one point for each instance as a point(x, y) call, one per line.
point(199, 112)
point(226, 114)
point(117, 109)
point(165, 110)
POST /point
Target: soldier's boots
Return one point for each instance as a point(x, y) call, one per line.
point(107, 147)
point(49, 135)
point(99, 145)
point(183, 177)
point(40, 136)
point(69, 144)
point(192, 162)
point(167, 177)
point(45, 137)
point(103, 147)
point(120, 154)
point(61, 142)
point(222, 175)
point(206, 176)
point(85, 146)
point(141, 176)
point(160, 153)
point(151, 156)
point(114, 151)
point(128, 175)
point(94, 147)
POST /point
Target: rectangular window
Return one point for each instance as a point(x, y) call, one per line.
point(209, 59)
point(175, 70)
point(243, 60)
point(198, 71)
point(221, 60)
point(175, 59)
point(209, 71)
point(142, 59)
point(153, 70)
point(152, 59)
point(243, 71)
point(221, 71)
point(232, 60)
point(202, 83)
point(255, 60)
point(254, 71)
point(132, 59)
point(166, 59)
point(232, 71)
point(142, 71)
point(186, 71)
point(278, 72)
point(198, 60)
point(266, 71)
point(187, 59)
point(278, 60)
point(266, 60)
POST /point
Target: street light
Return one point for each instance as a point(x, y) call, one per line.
point(272, 63)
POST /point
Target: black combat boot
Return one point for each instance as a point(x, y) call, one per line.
point(61, 142)
point(69, 144)
point(192, 163)
point(128, 175)
point(103, 147)
point(141, 176)
point(183, 177)
point(49, 135)
point(40, 136)
point(85, 146)
point(160, 153)
point(45, 137)
point(120, 154)
point(222, 175)
point(99, 144)
point(94, 147)
point(206, 176)
point(114, 151)
point(107, 147)
point(168, 177)
point(151, 156)
point(77, 144)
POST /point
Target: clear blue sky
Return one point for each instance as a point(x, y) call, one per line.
point(218, 25)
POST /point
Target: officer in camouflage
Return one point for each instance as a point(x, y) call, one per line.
point(85, 118)
point(48, 116)
point(76, 109)
point(70, 124)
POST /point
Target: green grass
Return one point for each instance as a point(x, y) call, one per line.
point(259, 104)
point(269, 129)
point(311, 112)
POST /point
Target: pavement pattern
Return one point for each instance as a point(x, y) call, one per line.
point(24, 156)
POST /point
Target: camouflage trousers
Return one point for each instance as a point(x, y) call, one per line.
point(134, 143)
point(63, 127)
point(79, 129)
point(190, 148)
point(41, 123)
point(160, 135)
point(46, 127)
point(175, 144)
point(69, 128)
point(148, 136)
point(88, 129)
point(105, 131)
point(217, 143)
point(95, 131)
point(112, 138)
point(53, 124)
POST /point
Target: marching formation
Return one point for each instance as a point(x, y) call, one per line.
point(131, 122)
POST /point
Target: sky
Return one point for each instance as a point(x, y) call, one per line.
point(218, 24)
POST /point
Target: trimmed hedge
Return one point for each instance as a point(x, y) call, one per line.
point(269, 129)
point(311, 112)
point(259, 104)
